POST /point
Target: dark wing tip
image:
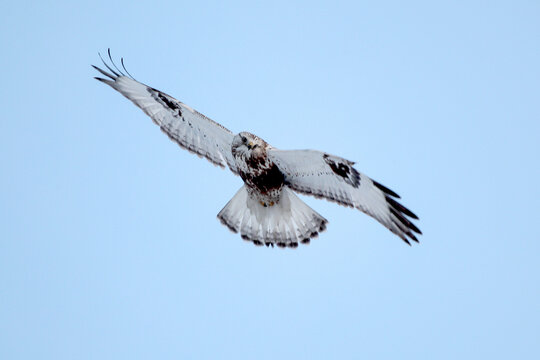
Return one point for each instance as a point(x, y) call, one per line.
point(405, 225)
point(401, 208)
point(413, 237)
point(105, 81)
point(112, 62)
point(124, 67)
point(108, 67)
point(385, 190)
point(399, 213)
point(103, 72)
point(114, 73)
point(403, 220)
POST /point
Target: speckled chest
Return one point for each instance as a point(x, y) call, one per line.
point(262, 177)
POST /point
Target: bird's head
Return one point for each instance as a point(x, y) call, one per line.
point(247, 145)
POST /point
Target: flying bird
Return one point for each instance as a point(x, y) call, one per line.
point(266, 210)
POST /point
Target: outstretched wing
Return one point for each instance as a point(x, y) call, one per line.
point(334, 178)
point(187, 127)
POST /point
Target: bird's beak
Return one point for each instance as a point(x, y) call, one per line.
point(250, 145)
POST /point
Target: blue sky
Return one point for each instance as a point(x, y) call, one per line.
point(109, 243)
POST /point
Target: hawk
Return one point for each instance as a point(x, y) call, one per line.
point(266, 210)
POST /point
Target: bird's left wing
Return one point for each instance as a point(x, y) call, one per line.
point(187, 127)
point(333, 178)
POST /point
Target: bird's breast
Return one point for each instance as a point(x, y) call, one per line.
point(261, 174)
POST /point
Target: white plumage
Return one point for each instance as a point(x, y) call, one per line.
point(286, 223)
point(265, 210)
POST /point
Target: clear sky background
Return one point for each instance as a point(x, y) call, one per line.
point(109, 243)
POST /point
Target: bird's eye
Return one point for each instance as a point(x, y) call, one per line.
point(244, 139)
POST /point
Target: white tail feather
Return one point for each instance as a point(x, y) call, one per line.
point(286, 223)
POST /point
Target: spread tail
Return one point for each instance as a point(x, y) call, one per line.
point(285, 223)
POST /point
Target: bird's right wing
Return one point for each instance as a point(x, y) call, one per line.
point(187, 127)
